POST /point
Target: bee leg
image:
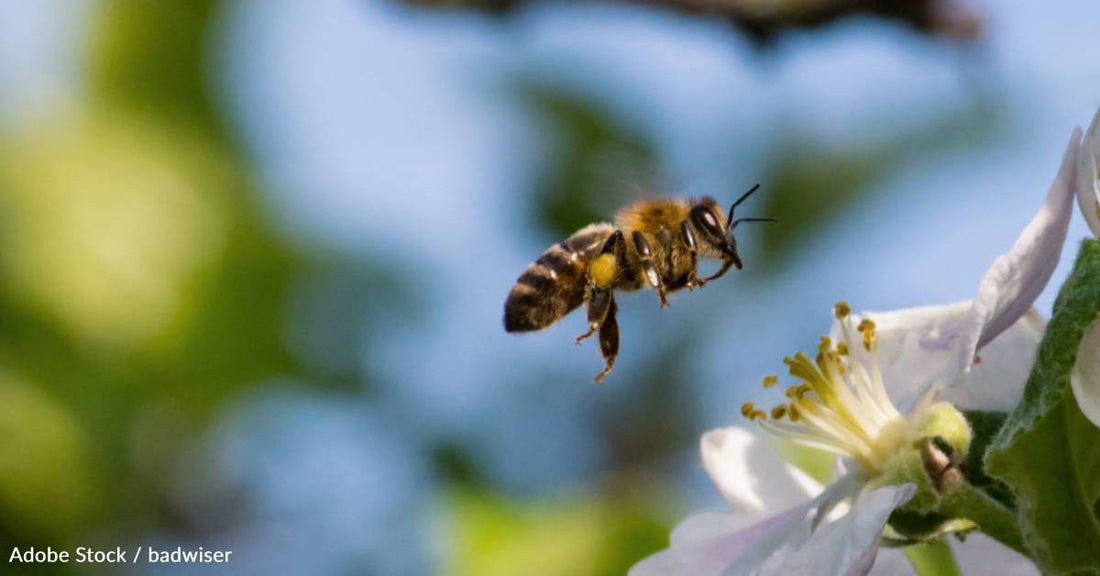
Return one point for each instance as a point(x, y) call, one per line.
point(599, 303)
point(592, 327)
point(602, 274)
point(649, 268)
point(726, 265)
point(609, 341)
point(688, 238)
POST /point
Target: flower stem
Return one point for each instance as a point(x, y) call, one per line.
point(993, 518)
point(932, 558)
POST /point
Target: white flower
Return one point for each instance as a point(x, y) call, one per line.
point(1088, 176)
point(704, 543)
point(1085, 379)
point(866, 394)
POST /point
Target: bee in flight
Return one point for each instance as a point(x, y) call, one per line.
point(655, 243)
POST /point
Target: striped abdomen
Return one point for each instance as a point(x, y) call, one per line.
point(553, 285)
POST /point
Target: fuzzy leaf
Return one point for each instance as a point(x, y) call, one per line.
point(1047, 451)
point(985, 426)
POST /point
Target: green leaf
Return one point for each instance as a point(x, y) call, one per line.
point(1047, 451)
point(985, 426)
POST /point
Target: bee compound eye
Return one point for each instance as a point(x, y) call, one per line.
point(705, 221)
point(709, 219)
point(641, 245)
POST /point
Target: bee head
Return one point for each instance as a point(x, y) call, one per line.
point(717, 231)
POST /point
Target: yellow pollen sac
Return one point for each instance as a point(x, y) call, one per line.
point(770, 380)
point(841, 310)
point(842, 348)
point(803, 369)
point(748, 410)
point(826, 343)
point(867, 328)
point(793, 413)
point(800, 367)
point(797, 392)
point(779, 412)
point(808, 406)
point(602, 270)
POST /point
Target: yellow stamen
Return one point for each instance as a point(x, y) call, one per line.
point(867, 328)
point(748, 410)
point(801, 367)
point(839, 402)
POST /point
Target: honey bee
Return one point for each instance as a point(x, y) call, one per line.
point(655, 243)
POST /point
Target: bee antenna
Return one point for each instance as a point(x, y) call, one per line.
point(729, 215)
point(740, 220)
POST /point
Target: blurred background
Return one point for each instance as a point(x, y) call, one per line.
point(253, 254)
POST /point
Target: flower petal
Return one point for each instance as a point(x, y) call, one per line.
point(1085, 378)
point(848, 546)
point(915, 346)
point(663, 563)
point(1088, 176)
point(698, 551)
point(996, 381)
point(893, 562)
point(701, 547)
point(707, 525)
point(750, 475)
point(1016, 278)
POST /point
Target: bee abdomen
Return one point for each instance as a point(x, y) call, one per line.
point(553, 285)
point(548, 289)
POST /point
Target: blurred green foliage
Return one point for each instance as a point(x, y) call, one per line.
point(141, 286)
point(597, 534)
point(152, 57)
point(46, 476)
